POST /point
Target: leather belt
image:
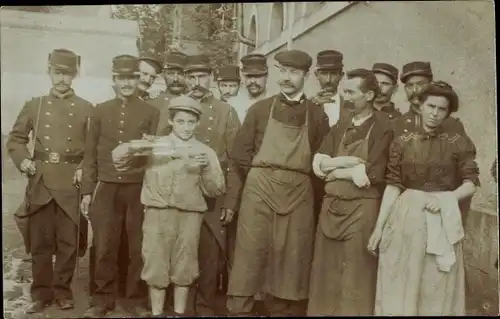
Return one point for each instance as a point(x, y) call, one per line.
point(57, 158)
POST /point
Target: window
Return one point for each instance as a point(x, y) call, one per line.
point(277, 24)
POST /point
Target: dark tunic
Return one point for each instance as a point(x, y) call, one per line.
point(390, 110)
point(249, 138)
point(343, 274)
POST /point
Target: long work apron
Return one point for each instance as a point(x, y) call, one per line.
point(274, 240)
point(343, 273)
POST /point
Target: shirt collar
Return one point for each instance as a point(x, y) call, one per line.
point(360, 121)
point(297, 98)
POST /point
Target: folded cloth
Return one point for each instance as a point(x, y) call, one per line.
point(444, 230)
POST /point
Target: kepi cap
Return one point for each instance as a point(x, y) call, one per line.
point(185, 103)
point(125, 65)
point(254, 64)
point(153, 59)
point(387, 69)
point(294, 58)
point(199, 62)
point(64, 59)
point(228, 73)
point(175, 60)
point(416, 68)
point(329, 60)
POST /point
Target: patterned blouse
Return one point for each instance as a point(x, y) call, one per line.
point(431, 162)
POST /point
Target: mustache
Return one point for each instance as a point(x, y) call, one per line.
point(177, 84)
point(254, 85)
point(286, 83)
point(128, 87)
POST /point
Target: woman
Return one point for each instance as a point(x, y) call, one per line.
point(419, 230)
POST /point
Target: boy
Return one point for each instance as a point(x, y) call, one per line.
point(181, 170)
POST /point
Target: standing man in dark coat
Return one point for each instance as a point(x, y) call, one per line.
point(115, 196)
point(58, 123)
point(274, 240)
point(218, 127)
point(387, 78)
point(173, 75)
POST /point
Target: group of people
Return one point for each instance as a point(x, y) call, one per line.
point(336, 204)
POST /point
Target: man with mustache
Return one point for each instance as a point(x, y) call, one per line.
point(58, 123)
point(387, 78)
point(329, 72)
point(149, 68)
point(273, 151)
point(217, 129)
point(173, 74)
point(254, 71)
point(228, 82)
point(115, 196)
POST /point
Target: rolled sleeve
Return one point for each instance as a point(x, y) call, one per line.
point(467, 166)
point(316, 165)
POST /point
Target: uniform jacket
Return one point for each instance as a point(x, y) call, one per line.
point(390, 111)
point(162, 100)
point(113, 123)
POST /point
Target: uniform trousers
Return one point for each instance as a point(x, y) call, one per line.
point(52, 232)
point(116, 208)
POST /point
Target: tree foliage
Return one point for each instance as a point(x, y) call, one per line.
point(163, 27)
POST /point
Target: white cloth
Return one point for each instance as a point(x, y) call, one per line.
point(444, 230)
point(242, 102)
point(318, 157)
point(360, 121)
point(332, 109)
point(297, 97)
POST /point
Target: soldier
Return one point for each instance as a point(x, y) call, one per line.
point(329, 72)
point(387, 78)
point(218, 127)
point(149, 67)
point(173, 74)
point(115, 196)
point(58, 124)
point(254, 70)
point(228, 82)
point(273, 150)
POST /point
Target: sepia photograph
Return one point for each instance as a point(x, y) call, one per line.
point(275, 159)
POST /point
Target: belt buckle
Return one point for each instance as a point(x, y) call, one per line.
point(54, 158)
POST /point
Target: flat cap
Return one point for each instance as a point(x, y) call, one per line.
point(199, 62)
point(330, 60)
point(175, 60)
point(254, 64)
point(228, 73)
point(441, 88)
point(125, 65)
point(153, 59)
point(294, 58)
point(387, 69)
point(185, 103)
point(64, 59)
point(416, 68)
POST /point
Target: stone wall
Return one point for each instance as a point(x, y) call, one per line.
point(27, 39)
point(458, 39)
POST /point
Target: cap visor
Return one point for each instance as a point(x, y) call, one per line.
point(415, 72)
point(197, 68)
point(63, 67)
point(254, 72)
point(126, 73)
point(185, 108)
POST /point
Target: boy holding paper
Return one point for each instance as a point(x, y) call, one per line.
point(179, 172)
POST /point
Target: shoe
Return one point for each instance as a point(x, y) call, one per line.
point(136, 311)
point(38, 306)
point(96, 312)
point(65, 304)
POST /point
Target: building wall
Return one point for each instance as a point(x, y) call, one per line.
point(458, 39)
point(27, 38)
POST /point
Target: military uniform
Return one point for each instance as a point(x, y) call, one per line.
point(391, 71)
point(252, 65)
point(58, 122)
point(116, 201)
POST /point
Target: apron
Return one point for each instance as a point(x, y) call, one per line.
point(280, 185)
point(340, 218)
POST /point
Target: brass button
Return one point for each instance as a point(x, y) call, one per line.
point(209, 128)
point(70, 126)
point(211, 106)
point(121, 132)
point(47, 113)
point(65, 162)
point(50, 102)
point(390, 116)
point(68, 150)
point(208, 141)
point(119, 177)
point(72, 104)
point(211, 118)
point(69, 138)
point(119, 142)
point(46, 162)
point(122, 114)
point(70, 114)
point(408, 120)
point(46, 137)
point(121, 122)
point(47, 125)
point(47, 149)
point(123, 105)
point(405, 130)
